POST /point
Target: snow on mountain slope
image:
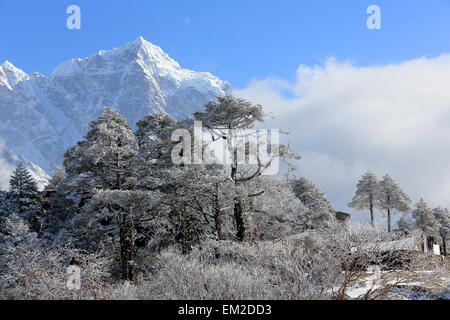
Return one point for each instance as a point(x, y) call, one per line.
point(10, 76)
point(9, 161)
point(42, 116)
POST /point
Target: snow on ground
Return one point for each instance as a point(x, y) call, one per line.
point(403, 284)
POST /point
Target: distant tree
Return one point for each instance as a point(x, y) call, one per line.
point(405, 224)
point(319, 211)
point(367, 195)
point(442, 216)
point(392, 197)
point(24, 197)
point(424, 219)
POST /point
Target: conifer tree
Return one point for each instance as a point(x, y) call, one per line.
point(58, 207)
point(106, 160)
point(319, 211)
point(405, 224)
point(191, 189)
point(24, 197)
point(366, 195)
point(442, 216)
point(424, 219)
point(392, 197)
point(230, 119)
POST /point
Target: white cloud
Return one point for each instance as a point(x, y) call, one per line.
point(345, 119)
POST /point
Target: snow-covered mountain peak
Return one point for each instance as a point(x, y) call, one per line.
point(140, 53)
point(151, 54)
point(10, 75)
point(141, 58)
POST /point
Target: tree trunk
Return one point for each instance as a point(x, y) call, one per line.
point(119, 181)
point(371, 214)
point(127, 254)
point(186, 235)
point(132, 261)
point(218, 214)
point(389, 219)
point(118, 175)
point(240, 225)
point(444, 246)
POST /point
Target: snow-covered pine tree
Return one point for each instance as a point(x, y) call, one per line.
point(223, 118)
point(115, 220)
point(230, 119)
point(275, 213)
point(106, 160)
point(424, 219)
point(319, 213)
point(155, 146)
point(442, 216)
point(58, 208)
point(193, 199)
point(366, 195)
point(405, 224)
point(392, 197)
point(191, 189)
point(154, 136)
point(15, 236)
point(24, 197)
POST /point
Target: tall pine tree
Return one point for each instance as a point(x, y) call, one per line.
point(232, 119)
point(366, 195)
point(106, 160)
point(442, 216)
point(424, 219)
point(392, 198)
point(24, 197)
point(320, 213)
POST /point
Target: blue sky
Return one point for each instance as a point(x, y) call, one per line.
point(235, 40)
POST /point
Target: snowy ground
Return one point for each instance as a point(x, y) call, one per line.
point(402, 285)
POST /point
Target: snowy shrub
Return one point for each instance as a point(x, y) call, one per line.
point(35, 273)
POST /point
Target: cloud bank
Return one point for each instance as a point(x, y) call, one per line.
point(345, 119)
